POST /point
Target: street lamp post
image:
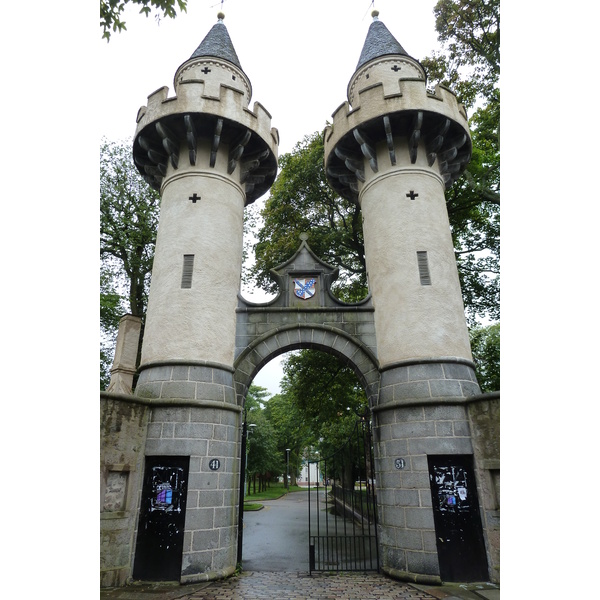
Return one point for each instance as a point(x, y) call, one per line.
point(249, 430)
point(245, 432)
point(287, 479)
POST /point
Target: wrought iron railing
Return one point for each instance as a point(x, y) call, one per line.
point(342, 508)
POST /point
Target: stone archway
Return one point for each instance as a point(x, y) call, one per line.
point(307, 336)
point(305, 314)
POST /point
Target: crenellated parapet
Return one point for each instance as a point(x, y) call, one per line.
point(207, 112)
point(385, 112)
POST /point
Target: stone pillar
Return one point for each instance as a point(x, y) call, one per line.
point(410, 428)
point(203, 430)
point(126, 351)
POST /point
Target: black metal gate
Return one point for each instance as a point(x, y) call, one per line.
point(342, 509)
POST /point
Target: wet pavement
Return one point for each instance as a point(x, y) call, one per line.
point(276, 537)
point(252, 585)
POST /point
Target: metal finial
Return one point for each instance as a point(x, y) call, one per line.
point(220, 16)
point(375, 15)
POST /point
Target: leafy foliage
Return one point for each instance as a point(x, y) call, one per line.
point(327, 393)
point(470, 31)
point(470, 65)
point(485, 345)
point(301, 201)
point(263, 459)
point(292, 430)
point(474, 212)
point(129, 211)
point(318, 408)
point(111, 12)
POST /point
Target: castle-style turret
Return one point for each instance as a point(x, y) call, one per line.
point(210, 156)
point(394, 147)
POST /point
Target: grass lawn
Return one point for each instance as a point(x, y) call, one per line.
point(276, 490)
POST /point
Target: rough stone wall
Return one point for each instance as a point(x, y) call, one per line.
point(256, 325)
point(123, 423)
point(404, 496)
point(484, 418)
point(421, 411)
point(195, 414)
point(210, 539)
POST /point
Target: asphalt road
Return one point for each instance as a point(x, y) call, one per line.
point(276, 537)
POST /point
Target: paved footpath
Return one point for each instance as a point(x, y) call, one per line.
point(252, 585)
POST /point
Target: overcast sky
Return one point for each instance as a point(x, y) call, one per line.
point(299, 56)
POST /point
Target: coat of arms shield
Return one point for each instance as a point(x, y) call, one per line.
point(304, 288)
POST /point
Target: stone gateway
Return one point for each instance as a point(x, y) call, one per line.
point(171, 448)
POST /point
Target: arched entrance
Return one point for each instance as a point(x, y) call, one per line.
point(304, 315)
point(307, 336)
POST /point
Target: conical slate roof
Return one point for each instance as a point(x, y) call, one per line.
point(379, 42)
point(217, 43)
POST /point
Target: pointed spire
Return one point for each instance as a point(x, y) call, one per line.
point(379, 42)
point(217, 43)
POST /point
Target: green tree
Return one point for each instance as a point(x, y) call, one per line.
point(291, 429)
point(263, 460)
point(485, 345)
point(256, 398)
point(329, 396)
point(129, 210)
point(469, 63)
point(470, 33)
point(111, 12)
point(300, 201)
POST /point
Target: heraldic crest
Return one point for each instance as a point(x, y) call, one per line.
point(304, 288)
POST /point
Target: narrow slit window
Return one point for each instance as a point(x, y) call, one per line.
point(188, 268)
point(423, 264)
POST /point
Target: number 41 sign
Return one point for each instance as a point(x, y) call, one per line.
point(214, 464)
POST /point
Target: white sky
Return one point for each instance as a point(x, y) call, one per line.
point(299, 58)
